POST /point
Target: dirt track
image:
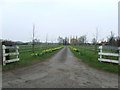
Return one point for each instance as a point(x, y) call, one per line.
point(61, 71)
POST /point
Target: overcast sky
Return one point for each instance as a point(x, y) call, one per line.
point(57, 18)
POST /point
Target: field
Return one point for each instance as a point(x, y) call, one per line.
point(26, 57)
point(88, 55)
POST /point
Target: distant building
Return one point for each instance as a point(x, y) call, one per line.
point(104, 43)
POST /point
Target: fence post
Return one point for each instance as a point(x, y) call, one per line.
point(4, 57)
point(17, 56)
point(101, 52)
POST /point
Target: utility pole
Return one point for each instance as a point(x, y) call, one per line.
point(33, 44)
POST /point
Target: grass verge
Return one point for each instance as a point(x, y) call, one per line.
point(91, 58)
point(27, 59)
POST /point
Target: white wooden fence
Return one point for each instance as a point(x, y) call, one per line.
point(9, 54)
point(101, 53)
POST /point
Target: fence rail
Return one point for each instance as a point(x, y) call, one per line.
point(22, 49)
point(5, 54)
point(101, 53)
point(110, 47)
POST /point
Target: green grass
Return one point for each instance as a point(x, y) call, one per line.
point(27, 59)
point(36, 48)
point(91, 58)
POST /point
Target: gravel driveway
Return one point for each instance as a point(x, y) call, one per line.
point(63, 70)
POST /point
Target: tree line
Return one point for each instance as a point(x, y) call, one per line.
point(112, 40)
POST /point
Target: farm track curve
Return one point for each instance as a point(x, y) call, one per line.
point(63, 70)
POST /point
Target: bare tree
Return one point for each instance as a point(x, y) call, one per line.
point(36, 41)
point(82, 39)
point(111, 39)
point(95, 40)
point(66, 41)
point(60, 40)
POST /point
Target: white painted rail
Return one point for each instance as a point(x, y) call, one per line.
point(108, 54)
point(101, 53)
point(16, 53)
point(108, 60)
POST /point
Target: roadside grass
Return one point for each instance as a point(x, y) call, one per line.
point(28, 48)
point(27, 59)
point(91, 58)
